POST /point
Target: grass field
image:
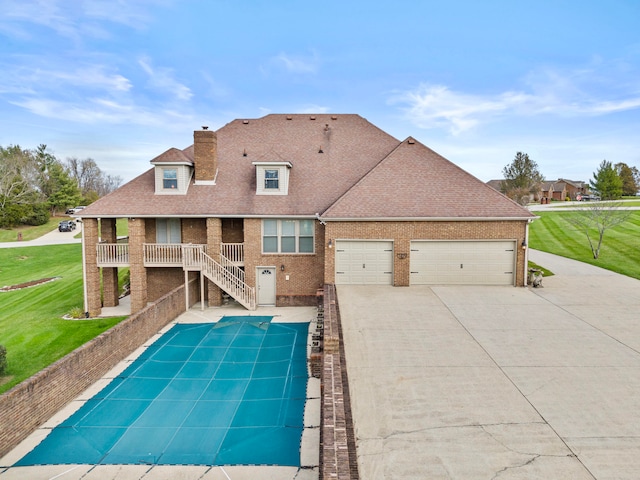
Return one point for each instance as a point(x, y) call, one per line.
point(31, 324)
point(620, 249)
point(30, 233)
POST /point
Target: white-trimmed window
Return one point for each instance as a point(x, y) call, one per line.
point(271, 179)
point(172, 179)
point(168, 230)
point(288, 236)
point(169, 178)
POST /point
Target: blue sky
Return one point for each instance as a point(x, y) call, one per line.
point(477, 81)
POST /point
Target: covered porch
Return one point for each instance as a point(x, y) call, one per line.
point(156, 267)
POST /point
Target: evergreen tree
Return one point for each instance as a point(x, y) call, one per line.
point(607, 182)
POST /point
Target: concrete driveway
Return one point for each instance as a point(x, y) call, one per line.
point(54, 237)
point(497, 382)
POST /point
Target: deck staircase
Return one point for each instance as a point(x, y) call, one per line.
point(225, 274)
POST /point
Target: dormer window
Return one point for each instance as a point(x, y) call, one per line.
point(169, 178)
point(272, 178)
point(173, 171)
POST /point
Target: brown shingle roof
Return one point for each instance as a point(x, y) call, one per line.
point(333, 159)
point(416, 182)
point(173, 155)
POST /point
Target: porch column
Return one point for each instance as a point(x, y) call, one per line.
point(109, 274)
point(137, 270)
point(214, 240)
point(93, 305)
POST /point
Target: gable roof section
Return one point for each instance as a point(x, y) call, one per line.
point(414, 182)
point(174, 156)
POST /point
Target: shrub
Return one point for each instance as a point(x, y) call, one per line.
point(39, 215)
point(77, 312)
point(3, 359)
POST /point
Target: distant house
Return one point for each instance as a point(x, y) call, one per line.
point(497, 184)
point(574, 188)
point(560, 189)
point(269, 210)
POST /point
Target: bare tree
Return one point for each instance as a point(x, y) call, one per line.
point(598, 216)
point(92, 181)
point(18, 176)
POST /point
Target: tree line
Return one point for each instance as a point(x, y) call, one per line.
point(523, 180)
point(35, 185)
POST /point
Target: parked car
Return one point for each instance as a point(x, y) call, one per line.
point(71, 211)
point(66, 226)
point(587, 198)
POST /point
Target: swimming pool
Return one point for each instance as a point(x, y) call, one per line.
point(226, 393)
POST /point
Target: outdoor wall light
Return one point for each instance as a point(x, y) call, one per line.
point(282, 268)
point(330, 245)
point(524, 245)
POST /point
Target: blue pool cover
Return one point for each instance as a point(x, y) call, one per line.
point(225, 393)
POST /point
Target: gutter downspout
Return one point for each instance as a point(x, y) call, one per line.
point(84, 275)
point(526, 254)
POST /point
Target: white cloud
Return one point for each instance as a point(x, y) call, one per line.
point(74, 19)
point(103, 110)
point(548, 93)
point(163, 79)
point(436, 106)
point(297, 64)
point(22, 78)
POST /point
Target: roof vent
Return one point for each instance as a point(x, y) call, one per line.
point(246, 122)
point(312, 117)
point(411, 141)
point(204, 127)
point(289, 117)
point(333, 117)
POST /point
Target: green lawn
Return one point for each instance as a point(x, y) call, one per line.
point(31, 324)
point(620, 249)
point(30, 233)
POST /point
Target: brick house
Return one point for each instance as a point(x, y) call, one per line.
point(562, 189)
point(269, 210)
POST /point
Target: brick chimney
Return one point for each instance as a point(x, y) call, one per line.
point(205, 155)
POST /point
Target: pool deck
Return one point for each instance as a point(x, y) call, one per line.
point(309, 453)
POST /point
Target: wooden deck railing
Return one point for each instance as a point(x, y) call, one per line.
point(234, 252)
point(166, 255)
point(113, 254)
point(227, 276)
point(162, 254)
point(227, 273)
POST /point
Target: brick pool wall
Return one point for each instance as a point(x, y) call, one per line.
point(32, 402)
point(338, 449)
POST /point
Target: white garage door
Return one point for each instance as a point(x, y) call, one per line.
point(360, 262)
point(462, 263)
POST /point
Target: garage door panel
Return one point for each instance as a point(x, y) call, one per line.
point(462, 263)
point(364, 262)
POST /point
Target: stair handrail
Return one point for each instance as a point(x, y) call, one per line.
point(226, 278)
